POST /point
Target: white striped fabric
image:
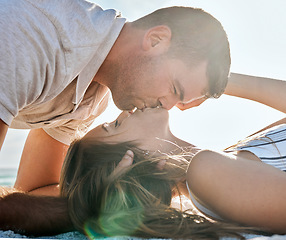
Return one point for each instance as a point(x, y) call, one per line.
point(269, 146)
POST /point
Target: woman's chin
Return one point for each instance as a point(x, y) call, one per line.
point(159, 145)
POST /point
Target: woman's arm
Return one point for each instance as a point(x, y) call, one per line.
point(270, 92)
point(239, 190)
point(33, 215)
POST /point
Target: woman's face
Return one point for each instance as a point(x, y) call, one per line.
point(149, 129)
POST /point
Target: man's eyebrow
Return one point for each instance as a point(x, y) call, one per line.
point(181, 90)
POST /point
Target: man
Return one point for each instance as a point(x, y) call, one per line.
point(60, 58)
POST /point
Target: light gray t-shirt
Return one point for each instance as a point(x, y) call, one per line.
point(50, 51)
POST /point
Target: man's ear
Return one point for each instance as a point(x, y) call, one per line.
point(157, 39)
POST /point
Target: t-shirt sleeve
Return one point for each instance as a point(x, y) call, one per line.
point(16, 75)
point(26, 57)
point(17, 89)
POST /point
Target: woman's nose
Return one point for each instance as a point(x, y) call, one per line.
point(123, 115)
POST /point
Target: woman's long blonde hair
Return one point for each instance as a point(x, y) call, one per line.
point(132, 202)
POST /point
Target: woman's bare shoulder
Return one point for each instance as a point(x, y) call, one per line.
point(239, 190)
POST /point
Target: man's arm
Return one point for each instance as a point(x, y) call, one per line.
point(33, 215)
point(3, 132)
point(41, 164)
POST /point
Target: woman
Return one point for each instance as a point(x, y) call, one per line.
point(118, 198)
point(108, 196)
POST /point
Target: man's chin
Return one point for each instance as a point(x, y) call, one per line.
point(123, 107)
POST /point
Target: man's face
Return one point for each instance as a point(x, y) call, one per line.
point(147, 82)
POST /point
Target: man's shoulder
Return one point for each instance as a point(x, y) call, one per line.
point(79, 23)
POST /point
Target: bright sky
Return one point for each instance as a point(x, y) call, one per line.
point(257, 35)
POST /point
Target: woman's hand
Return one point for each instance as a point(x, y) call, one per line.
point(191, 104)
point(125, 162)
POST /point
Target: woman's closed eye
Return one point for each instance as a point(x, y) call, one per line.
point(116, 124)
point(107, 125)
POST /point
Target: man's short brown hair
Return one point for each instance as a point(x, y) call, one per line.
point(196, 36)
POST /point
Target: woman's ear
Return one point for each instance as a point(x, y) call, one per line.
point(157, 39)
